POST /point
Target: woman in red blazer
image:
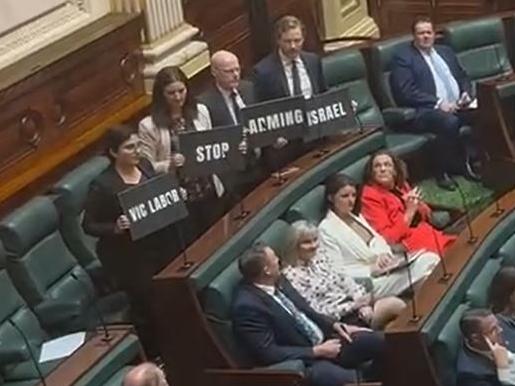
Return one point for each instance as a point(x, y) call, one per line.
point(395, 209)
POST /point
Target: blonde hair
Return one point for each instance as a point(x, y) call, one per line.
point(299, 229)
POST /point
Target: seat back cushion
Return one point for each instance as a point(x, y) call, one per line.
point(477, 294)
point(310, 207)
point(507, 251)
point(381, 55)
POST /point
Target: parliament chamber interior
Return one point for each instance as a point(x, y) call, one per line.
point(139, 195)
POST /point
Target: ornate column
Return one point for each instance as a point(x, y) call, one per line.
point(345, 18)
point(168, 40)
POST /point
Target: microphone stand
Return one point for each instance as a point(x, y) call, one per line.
point(107, 337)
point(414, 315)
point(498, 209)
point(446, 275)
point(29, 349)
point(185, 261)
point(472, 237)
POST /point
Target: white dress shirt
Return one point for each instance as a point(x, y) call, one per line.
point(228, 101)
point(305, 82)
point(449, 93)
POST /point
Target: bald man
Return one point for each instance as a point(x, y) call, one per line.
point(224, 99)
point(145, 374)
point(229, 93)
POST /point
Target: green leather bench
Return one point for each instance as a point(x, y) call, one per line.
point(507, 252)
point(480, 46)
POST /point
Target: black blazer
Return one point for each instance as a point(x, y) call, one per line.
point(270, 80)
point(475, 370)
point(412, 82)
point(218, 109)
point(267, 330)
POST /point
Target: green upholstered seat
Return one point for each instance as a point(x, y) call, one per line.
point(447, 345)
point(356, 170)
point(310, 207)
point(47, 275)
point(71, 192)
point(480, 46)
point(507, 251)
point(346, 68)
point(477, 294)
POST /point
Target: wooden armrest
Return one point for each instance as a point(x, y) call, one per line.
point(348, 38)
point(252, 377)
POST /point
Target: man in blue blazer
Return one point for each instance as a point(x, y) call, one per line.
point(429, 78)
point(288, 71)
point(274, 324)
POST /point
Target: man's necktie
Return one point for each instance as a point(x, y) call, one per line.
point(443, 75)
point(306, 325)
point(297, 90)
point(235, 106)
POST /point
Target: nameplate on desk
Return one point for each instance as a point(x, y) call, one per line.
point(265, 122)
point(152, 205)
point(328, 114)
point(212, 151)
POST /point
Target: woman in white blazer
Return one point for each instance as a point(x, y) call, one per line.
point(174, 110)
point(353, 247)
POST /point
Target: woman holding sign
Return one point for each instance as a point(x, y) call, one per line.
point(174, 110)
point(130, 264)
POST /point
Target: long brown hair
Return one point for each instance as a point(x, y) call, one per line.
point(398, 165)
point(159, 107)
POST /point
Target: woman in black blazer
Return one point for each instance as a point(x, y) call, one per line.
point(130, 264)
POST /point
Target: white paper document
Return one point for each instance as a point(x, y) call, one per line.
point(61, 347)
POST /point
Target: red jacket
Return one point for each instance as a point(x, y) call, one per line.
point(385, 211)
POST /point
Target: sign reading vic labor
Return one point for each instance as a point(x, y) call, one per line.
point(212, 151)
point(265, 122)
point(153, 205)
point(328, 114)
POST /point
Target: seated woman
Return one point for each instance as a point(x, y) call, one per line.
point(173, 110)
point(331, 292)
point(129, 264)
point(502, 302)
point(355, 248)
point(395, 210)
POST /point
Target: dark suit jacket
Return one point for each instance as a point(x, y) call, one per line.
point(412, 82)
point(475, 370)
point(267, 330)
point(218, 110)
point(270, 80)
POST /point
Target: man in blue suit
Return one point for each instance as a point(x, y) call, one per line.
point(288, 71)
point(274, 324)
point(429, 78)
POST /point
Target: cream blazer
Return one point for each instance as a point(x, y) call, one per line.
point(156, 143)
point(347, 251)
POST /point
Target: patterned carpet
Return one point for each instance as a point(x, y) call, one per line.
point(476, 195)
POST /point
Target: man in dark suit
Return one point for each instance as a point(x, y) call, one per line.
point(476, 365)
point(288, 71)
point(274, 323)
point(429, 78)
point(225, 99)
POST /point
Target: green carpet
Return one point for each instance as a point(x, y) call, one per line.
point(476, 195)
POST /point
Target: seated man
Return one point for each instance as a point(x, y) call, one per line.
point(476, 363)
point(274, 323)
point(145, 374)
point(429, 78)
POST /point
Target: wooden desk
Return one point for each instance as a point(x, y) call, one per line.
point(189, 346)
point(86, 357)
point(409, 360)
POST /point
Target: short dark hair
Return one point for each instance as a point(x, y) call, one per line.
point(287, 23)
point(115, 136)
point(420, 19)
point(333, 184)
point(398, 164)
point(501, 289)
point(470, 322)
point(252, 263)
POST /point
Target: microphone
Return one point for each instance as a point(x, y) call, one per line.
point(29, 349)
point(360, 123)
point(185, 261)
point(414, 315)
point(498, 209)
point(472, 238)
point(446, 275)
point(107, 337)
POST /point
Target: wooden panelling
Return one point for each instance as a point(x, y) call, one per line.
point(60, 93)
